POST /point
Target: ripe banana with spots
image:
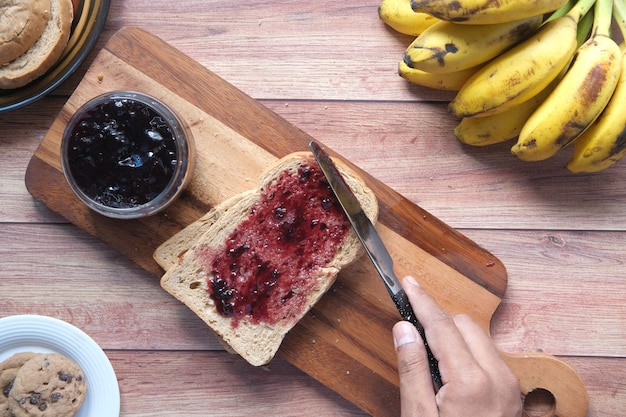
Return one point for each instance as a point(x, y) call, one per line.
point(399, 15)
point(519, 73)
point(452, 81)
point(561, 82)
point(507, 125)
point(485, 11)
point(449, 47)
point(497, 128)
point(579, 98)
point(604, 143)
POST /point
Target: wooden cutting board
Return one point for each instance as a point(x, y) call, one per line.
point(345, 341)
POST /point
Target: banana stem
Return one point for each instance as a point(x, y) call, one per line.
point(581, 8)
point(603, 12)
point(584, 28)
point(619, 13)
point(561, 11)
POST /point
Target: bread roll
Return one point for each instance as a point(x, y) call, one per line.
point(46, 50)
point(276, 249)
point(21, 23)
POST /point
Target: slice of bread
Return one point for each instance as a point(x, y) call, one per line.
point(21, 23)
point(46, 50)
point(169, 253)
point(302, 269)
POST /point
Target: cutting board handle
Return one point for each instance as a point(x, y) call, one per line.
point(541, 371)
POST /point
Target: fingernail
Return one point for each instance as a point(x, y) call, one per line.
point(411, 280)
point(404, 334)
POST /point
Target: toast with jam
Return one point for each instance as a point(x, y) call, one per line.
point(253, 266)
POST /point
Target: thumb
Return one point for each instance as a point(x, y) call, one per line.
point(417, 395)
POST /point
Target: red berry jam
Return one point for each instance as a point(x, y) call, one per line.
point(270, 262)
point(123, 150)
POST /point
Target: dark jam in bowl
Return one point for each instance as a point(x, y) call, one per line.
point(126, 155)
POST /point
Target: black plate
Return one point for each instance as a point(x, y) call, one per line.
point(86, 28)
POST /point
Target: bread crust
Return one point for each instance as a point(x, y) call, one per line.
point(21, 23)
point(188, 281)
point(44, 52)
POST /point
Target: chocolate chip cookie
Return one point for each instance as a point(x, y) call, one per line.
point(47, 385)
point(8, 370)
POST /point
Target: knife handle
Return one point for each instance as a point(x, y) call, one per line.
point(406, 311)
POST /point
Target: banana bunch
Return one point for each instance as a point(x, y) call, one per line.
point(577, 101)
point(547, 72)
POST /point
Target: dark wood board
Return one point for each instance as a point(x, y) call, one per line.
point(345, 341)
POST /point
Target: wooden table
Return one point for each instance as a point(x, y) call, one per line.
point(330, 69)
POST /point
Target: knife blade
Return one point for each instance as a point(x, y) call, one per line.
point(374, 247)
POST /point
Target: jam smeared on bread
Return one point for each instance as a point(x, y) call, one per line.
point(273, 257)
point(288, 231)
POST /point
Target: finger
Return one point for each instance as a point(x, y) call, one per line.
point(445, 340)
point(416, 388)
point(477, 340)
point(481, 346)
point(507, 385)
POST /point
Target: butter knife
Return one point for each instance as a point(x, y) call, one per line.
point(374, 247)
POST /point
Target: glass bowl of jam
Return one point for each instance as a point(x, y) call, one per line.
point(127, 155)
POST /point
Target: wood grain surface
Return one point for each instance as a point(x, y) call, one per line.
point(340, 342)
point(561, 237)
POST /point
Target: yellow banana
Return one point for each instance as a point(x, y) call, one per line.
point(485, 11)
point(448, 47)
point(604, 143)
point(398, 15)
point(488, 130)
point(500, 127)
point(519, 73)
point(447, 82)
point(579, 98)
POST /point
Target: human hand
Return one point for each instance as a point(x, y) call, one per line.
point(476, 381)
